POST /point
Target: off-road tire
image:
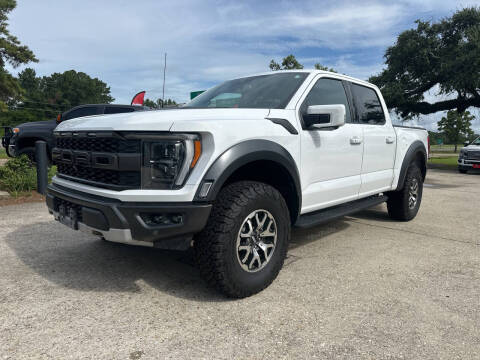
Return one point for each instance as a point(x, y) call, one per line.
point(215, 247)
point(398, 203)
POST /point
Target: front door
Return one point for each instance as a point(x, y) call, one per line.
point(331, 158)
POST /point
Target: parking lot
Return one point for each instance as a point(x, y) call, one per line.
point(359, 287)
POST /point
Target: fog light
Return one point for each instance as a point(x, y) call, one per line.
point(161, 219)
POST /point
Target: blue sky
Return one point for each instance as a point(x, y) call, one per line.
point(123, 42)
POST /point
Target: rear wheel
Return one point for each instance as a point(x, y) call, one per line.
point(404, 204)
point(243, 246)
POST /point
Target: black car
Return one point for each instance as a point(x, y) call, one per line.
point(21, 139)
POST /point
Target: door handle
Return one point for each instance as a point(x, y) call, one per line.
point(389, 139)
point(355, 140)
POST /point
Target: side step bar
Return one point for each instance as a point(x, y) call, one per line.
point(325, 215)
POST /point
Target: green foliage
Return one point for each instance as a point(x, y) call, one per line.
point(443, 57)
point(456, 126)
point(45, 97)
point(3, 153)
point(449, 162)
point(12, 52)
point(158, 103)
point(19, 176)
point(290, 63)
point(319, 66)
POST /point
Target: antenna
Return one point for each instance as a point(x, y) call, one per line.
point(163, 90)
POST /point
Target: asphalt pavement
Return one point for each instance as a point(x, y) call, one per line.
point(362, 287)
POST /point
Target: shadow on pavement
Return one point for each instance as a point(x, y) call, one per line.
point(78, 261)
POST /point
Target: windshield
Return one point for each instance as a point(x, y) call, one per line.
point(261, 92)
point(476, 141)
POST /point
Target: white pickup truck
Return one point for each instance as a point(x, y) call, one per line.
point(234, 169)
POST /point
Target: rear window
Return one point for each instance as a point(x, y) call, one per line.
point(118, 109)
point(367, 105)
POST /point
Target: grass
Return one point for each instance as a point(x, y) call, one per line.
point(3, 154)
point(445, 148)
point(446, 162)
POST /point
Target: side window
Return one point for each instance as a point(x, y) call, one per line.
point(367, 105)
point(118, 109)
point(83, 111)
point(327, 92)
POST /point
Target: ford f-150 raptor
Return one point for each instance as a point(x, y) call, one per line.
point(235, 168)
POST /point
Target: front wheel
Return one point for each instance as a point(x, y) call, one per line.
point(243, 246)
point(403, 205)
point(462, 170)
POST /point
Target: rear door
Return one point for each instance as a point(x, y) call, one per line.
point(331, 158)
point(379, 140)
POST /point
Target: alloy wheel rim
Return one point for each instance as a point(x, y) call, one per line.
point(413, 194)
point(256, 240)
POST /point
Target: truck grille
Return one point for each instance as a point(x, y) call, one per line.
point(105, 160)
point(472, 155)
point(101, 177)
point(102, 144)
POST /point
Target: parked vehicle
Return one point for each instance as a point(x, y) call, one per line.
point(234, 169)
point(21, 139)
point(469, 156)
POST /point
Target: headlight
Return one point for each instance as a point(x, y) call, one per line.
point(167, 161)
point(462, 153)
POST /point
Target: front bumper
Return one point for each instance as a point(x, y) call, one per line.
point(125, 221)
point(468, 163)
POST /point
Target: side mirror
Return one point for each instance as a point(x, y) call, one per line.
point(466, 143)
point(59, 118)
point(322, 116)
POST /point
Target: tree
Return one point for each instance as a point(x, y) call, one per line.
point(319, 66)
point(73, 88)
point(456, 126)
point(45, 97)
point(12, 52)
point(290, 63)
point(158, 103)
point(441, 57)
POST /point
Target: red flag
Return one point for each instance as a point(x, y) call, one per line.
point(138, 98)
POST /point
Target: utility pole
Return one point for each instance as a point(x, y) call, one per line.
point(163, 90)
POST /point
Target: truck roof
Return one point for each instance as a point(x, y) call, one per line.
point(314, 72)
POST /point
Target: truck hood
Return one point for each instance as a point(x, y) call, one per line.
point(157, 120)
point(38, 124)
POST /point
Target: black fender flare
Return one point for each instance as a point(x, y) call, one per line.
point(243, 153)
point(415, 148)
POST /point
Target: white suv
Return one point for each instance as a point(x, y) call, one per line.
point(234, 169)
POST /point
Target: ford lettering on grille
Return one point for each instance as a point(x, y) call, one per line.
point(104, 160)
